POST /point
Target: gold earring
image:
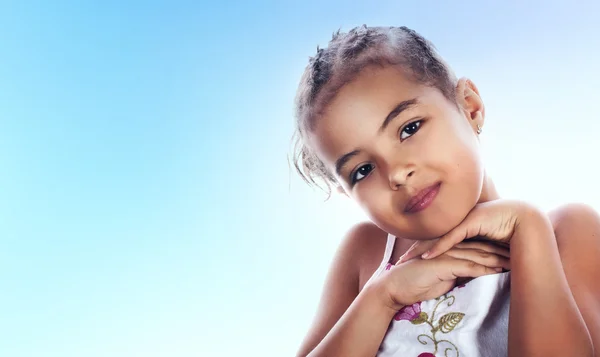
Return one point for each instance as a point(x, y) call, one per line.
point(478, 129)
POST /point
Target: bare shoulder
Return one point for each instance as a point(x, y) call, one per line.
point(366, 244)
point(575, 222)
point(344, 280)
point(577, 231)
point(368, 248)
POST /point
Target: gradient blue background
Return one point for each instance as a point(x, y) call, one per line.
point(146, 204)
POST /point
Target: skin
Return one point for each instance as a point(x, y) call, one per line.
point(392, 166)
point(444, 149)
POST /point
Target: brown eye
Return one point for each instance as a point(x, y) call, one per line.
point(361, 173)
point(410, 129)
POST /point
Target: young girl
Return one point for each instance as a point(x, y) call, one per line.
point(382, 117)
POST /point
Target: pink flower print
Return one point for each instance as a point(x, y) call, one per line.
point(388, 266)
point(410, 312)
point(426, 354)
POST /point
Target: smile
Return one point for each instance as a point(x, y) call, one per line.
point(422, 199)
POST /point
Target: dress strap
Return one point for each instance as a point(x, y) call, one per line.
point(389, 248)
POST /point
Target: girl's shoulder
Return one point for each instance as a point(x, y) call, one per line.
point(577, 232)
point(569, 219)
point(365, 244)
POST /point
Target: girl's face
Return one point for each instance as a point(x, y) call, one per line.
point(404, 152)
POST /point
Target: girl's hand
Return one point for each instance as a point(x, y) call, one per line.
point(495, 221)
point(419, 280)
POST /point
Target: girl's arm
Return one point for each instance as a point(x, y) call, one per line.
point(545, 318)
point(360, 330)
point(365, 319)
point(354, 324)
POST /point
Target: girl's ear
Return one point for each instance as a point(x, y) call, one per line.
point(467, 96)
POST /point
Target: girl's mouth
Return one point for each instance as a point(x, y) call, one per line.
point(422, 199)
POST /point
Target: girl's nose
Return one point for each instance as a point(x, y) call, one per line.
point(400, 176)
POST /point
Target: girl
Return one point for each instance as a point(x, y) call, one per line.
point(382, 117)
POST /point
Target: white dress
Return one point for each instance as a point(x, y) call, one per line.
point(471, 320)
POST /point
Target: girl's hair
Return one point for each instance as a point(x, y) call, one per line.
point(340, 62)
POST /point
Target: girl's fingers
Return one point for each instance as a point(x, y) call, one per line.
point(443, 245)
point(469, 228)
point(417, 249)
point(467, 268)
point(421, 247)
point(459, 268)
point(485, 246)
point(481, 257)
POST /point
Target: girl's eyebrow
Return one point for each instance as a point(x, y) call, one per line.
point(339, 163)
point(402, 106)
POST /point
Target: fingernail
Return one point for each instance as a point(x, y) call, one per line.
point(426, 254)
point(499, 270)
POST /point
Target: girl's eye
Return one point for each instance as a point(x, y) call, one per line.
point(410, 129)
point(361, 173)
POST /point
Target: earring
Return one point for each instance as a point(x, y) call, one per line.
point(478, 129)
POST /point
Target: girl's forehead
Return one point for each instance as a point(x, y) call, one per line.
point(356, 114)
point(359, 110)
point(374, 91)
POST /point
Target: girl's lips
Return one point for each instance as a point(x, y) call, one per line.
point(422, 199)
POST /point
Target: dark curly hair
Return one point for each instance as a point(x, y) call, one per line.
point(340, 62)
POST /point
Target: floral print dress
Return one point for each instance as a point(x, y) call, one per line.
point(470, 320)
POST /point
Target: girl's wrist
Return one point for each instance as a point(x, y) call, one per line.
point(378, 293)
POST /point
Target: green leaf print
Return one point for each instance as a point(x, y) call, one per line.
point(449, 321)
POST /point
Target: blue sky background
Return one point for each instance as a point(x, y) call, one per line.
point(146, 204)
